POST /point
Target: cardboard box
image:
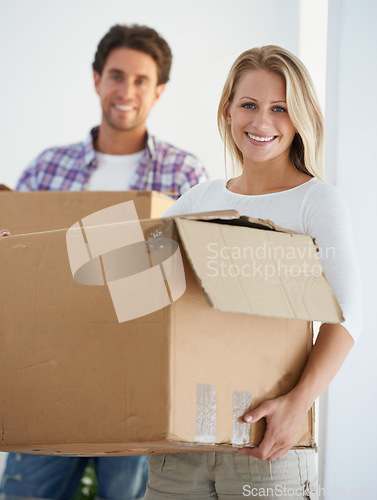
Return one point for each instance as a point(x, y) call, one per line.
point(77, 378)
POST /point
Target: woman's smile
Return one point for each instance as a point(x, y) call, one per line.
point(260, 140)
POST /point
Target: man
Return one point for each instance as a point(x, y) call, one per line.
point(131, 68)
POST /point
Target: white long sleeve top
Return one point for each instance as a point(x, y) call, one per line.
point(314, 208)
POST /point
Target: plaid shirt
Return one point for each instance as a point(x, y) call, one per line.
point(163, 167)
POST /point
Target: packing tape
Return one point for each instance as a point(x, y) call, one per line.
point(205, 413)
point(108, 246)
point(241, 430)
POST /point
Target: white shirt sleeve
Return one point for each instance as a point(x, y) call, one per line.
point(186, 203)
point(325, 217)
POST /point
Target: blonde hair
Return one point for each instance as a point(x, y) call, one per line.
point(304, 111)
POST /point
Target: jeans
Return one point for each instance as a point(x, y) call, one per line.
point(57, 478)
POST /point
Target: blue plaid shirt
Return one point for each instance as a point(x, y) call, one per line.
point(163, 168)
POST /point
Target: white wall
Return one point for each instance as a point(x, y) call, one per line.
point(350, 453)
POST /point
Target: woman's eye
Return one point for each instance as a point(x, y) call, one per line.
point(249, 105)
point(279, 109)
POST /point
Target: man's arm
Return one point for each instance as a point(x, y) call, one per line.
point(191, 172)
point(28, 180)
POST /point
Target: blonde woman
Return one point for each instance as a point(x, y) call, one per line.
point(271, 123)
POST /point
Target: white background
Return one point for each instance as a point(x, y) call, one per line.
point(47, 98)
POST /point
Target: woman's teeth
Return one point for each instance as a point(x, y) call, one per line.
point(261, 139)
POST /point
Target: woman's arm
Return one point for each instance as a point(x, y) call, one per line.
point(325, 217)
point(284, 415)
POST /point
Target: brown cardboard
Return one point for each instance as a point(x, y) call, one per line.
point(75, 381)
point(28, 212)
point(287, 280)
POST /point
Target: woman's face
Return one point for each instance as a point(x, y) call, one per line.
point(259, 120)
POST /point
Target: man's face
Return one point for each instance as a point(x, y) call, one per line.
point(127, 89)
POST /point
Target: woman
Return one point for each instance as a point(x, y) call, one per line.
point(270, 120)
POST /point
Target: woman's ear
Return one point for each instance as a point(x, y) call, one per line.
point(226, 113)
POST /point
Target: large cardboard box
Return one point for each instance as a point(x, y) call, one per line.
point(229, 327)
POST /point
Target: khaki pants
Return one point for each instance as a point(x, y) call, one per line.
point(231, 476)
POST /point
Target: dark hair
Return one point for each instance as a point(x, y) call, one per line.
point(135, 37)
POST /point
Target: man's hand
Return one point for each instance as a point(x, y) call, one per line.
point(284, 417)
point(4, 232)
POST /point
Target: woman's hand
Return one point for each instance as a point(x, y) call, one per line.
point(284, 416)
point(4, 232)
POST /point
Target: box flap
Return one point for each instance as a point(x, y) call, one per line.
point(233, 218)
point(264, 272)
point(213, 215)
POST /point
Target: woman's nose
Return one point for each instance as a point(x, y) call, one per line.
point(262, 119)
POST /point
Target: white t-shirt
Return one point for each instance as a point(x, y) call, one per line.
point(114, 172)
point(314, 208)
